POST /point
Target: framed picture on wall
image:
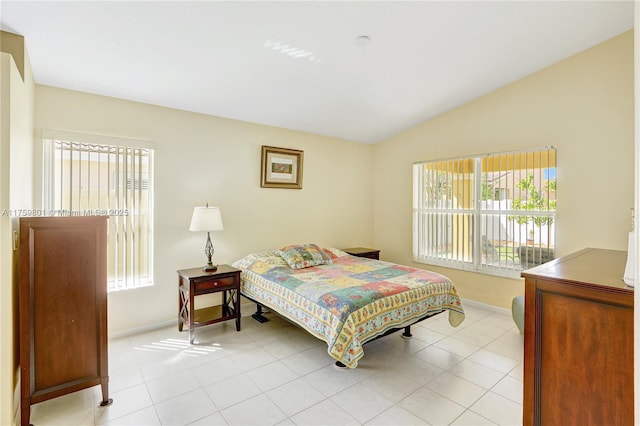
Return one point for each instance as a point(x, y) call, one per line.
point(281, 168)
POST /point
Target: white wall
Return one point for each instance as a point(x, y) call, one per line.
point(200, 159)
point(583, 105)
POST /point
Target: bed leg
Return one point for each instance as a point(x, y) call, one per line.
point(258, 316)
point(407, 332)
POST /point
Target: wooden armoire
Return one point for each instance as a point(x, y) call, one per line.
point(62, 307)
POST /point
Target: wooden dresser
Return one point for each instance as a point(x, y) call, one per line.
point(578, 341)
point(63, 308)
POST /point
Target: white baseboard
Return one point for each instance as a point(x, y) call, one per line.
point(246, 309)
point(486, 307)
point(144, 329)
point(16, 402)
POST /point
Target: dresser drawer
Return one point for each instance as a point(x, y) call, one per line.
point(215, 283)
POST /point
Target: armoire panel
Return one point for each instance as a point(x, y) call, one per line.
point(63, 307)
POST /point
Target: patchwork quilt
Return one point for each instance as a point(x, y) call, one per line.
point(350, 301)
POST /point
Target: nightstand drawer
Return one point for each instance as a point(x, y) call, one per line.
point(216, 283)
point(370, 255)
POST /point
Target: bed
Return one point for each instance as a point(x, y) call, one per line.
point(342, 299)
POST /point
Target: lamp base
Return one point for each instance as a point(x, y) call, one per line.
point(210, 267)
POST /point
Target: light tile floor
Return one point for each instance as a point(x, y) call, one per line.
point(276, 373)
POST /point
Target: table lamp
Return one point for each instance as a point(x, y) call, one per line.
point(207, 219)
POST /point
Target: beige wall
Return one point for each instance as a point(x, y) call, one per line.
point(202, 159)
point(16, 189)
point(636, 19)
point(584, 105)
point(6, 290)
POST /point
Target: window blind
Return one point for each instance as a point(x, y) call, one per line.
point(493, 213)
point(116, 181)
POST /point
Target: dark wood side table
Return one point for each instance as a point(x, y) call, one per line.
point(195, 282)
point(578, 341)
point(363, 252)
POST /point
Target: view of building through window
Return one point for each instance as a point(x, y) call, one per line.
point(492, 213)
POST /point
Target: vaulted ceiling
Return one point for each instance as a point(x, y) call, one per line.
point(362, 70)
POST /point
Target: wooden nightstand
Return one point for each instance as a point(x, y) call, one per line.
point(363, 252)
point(195, 282)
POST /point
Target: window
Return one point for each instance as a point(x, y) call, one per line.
point(82, 178)
point(493, 213)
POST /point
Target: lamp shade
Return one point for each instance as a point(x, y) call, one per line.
point(206, 219)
